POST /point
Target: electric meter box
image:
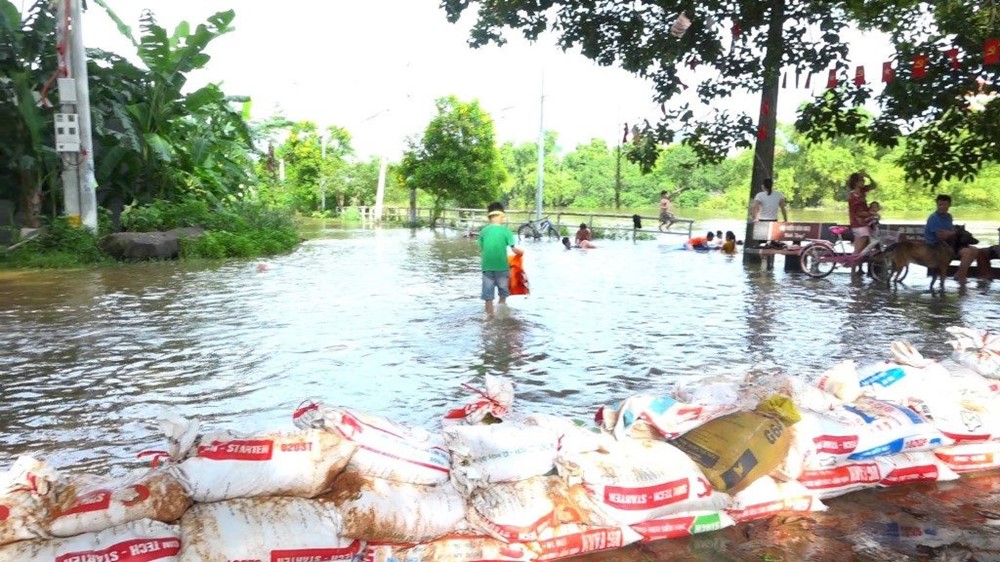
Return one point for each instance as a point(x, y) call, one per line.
point(67, 132)
point(67, 90)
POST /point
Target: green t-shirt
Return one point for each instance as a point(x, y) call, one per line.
point(494, 240)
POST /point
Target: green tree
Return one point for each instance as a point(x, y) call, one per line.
point(743, 44)
point(456, 160)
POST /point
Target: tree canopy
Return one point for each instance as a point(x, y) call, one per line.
point(729, 41)
point(456, 159)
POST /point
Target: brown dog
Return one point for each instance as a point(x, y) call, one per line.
point(935, 257)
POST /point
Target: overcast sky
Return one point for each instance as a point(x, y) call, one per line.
point(375, 67)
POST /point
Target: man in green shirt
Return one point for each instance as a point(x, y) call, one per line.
point(494, 239)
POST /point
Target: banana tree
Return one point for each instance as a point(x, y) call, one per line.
point(28, 164)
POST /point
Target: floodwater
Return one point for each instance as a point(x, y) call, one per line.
point(390, 321)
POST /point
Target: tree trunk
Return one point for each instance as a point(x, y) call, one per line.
point(31, 201)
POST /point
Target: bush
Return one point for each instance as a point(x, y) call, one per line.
point(61, 245)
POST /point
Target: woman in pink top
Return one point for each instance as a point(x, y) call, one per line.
point(857, 209)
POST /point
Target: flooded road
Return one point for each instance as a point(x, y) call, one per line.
point(389, 321)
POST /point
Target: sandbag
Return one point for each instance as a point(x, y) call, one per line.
point(454, 548)
point(381, 510)
point(137, 541)
point(869, 428)
point(27, 498)
point(766, 497)
point(574, 436)
point(492, 403)
point(884, 471)
point(231, 465)
point(88, 504)
point(658, 417)
point(266, 529)
point(640, 480)
point(683, 524)
point(977, 350)
point(486, 454)
point(385, 449)
point(572, 539)
point(970, 457)
point(521, 511)
point(736, 449)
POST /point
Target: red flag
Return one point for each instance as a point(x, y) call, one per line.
point(888, 74)
point(991, 51)
point(831, 81)
point(859, 76)
point(953, 56)
point(919, 66)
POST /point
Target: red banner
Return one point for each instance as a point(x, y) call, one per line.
point(919, 66)
point(953, 58)
point(859, 76)
point(991, 51)
point(888, 74)
point(831, 81)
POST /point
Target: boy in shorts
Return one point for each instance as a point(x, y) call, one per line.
point(494, 239)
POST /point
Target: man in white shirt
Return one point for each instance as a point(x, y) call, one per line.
point(767, 202)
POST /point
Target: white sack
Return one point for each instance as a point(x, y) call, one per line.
point(138, 541)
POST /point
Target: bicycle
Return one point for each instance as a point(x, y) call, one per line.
point(544, 227)
point(821, 257)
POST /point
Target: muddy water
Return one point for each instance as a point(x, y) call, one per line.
point(389, 321)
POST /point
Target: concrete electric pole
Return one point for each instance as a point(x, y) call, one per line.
point(73, 125)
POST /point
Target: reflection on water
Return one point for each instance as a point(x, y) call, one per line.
point(389, 321)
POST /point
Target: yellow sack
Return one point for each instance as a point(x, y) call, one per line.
point(736, 449)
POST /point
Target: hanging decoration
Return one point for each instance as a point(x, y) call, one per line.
point(888, 74)
point(920, 66)
point(680, 26)
point(831, 81)
point(625, 134)
point(809, 80)
point(991, 51)
point(953, 58)
point(859, 76)
point(798, 74)
point(784, 80)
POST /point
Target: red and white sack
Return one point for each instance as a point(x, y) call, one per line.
point(977, 350)
point(453, 548)
point(840, 381)
point(572, 539)
point(485, 454)
point(641, 480)
point(832, 481)
point(231, 465)
point(800, 452)
point(385, 449)
point(138, 541)
point(970, 457)
point(658, 417)
point(387, 511)
point(766, 497)
point(574, 436)
point(680, 525)
point(966, 419)
point(907, 468)
point(520, 511)
point(869, 428)
point(907, 376)
point(266, 529)
point(491, 403)
point(88, 503)
point(27, 498)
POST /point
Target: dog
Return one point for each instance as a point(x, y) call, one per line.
point(935, 257)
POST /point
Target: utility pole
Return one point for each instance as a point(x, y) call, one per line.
point(79, 183)
point(540, 186)
point(763, 161)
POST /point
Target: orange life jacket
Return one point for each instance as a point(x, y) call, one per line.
point(518, 279)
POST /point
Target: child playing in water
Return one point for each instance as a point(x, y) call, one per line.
point(729, 246)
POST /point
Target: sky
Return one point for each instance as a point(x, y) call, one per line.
point(375, 67)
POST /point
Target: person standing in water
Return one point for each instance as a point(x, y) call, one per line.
point(493, 240)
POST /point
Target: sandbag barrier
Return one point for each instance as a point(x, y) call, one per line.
point(345, 485)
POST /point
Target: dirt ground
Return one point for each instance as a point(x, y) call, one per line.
point(948, 521)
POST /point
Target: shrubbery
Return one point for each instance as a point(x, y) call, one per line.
point(61, 246)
